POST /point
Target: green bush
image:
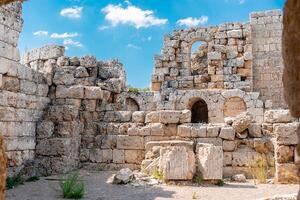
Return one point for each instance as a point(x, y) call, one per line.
point(72, 187)
point(33, 179)
point(198, 178)
point(12, 182)
point(137, 90)
point(220, 183)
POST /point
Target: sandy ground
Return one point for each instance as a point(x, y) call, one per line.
point(98, 189)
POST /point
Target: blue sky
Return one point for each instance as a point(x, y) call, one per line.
point(131, 31)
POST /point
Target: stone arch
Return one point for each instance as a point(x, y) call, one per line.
point(132, 105)
point(198, 57)
point(199, 111)
point(234, 106)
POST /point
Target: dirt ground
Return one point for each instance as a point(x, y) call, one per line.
point(98, 189)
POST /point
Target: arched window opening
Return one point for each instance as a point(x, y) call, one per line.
point(198, 58)
point(199, 112)
point(234, 106)
point(132, 105)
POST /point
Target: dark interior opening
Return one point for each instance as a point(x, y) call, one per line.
point(200, 112)
point(132, 105)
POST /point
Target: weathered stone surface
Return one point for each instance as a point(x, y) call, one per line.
point(2, 169)
point(290, 54)
point(229, 145)
point(169, 117)
point(255, 130)
point(88, 61)
point(240, 178)
point(227, 133)
point(278, 116)
point(242, 122)
point(286, 173)
point(74, 92)
point(123, 176)
point(244, 157)
point(130, 142)
point(210, 161)
point(284, 154)
point(138, 117)
point(286, 134)
point(177, 163)
point(81, 72)
point(93, 93)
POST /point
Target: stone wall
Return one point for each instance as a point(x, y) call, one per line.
point(3, 169)
point(266, 35)
point(227, 63)
point(68, 112)
point(23, 95)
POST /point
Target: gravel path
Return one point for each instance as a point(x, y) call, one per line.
point(98, 189)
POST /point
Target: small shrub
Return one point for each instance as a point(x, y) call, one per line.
point(220, 183)
point(158, 175)
point(12, 182)
point(194, 195)
point(72, 187)
point(33, 179)
point(137, 90)
point(198, 178)
point(259, 170)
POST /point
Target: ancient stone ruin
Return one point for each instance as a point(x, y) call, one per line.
point(216, 112)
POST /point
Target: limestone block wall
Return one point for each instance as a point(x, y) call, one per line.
point(226, 62)
point(23, 94)
point(266, 34)
point(3, 170)
point(283, 128)
point(86, 96)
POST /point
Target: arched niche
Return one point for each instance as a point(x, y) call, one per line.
point(199, 111)
point(198, 57)
point(234, 106)
point(132, 105)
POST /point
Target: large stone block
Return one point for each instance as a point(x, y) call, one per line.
point(242, 122)
point(130, 142)
point(74, 92)
point(244, 157)
point(28, 87)
point(227, 133)
point(286, 134)
point(93, 93)
point(278, 116)
point(286, 173)
point(210, 161)
point(284, 154)
point(169, 116)
point(177, 163)
point(138, 116)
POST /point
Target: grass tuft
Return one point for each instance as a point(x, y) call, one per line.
point(198, 178)
point(158, 175)
point(12, 182)
point(72, 187)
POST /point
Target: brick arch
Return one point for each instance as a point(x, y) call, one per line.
point(234, 106)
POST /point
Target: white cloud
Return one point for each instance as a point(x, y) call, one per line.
point(132, 15)
point(189, 22)
point(72, 12)
point(63, 35)
point(71, 42)
point(132, 46)
point(101, 28)
point(41, 33)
